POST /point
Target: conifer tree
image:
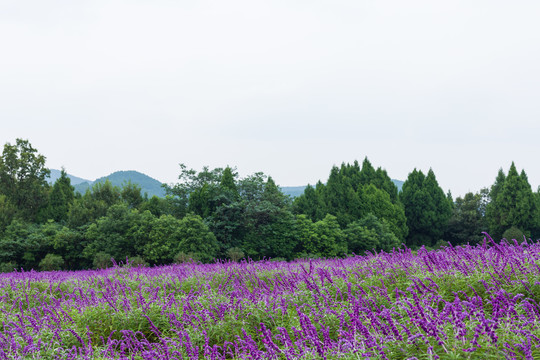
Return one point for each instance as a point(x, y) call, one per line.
point(426, 207)
point(513, 204)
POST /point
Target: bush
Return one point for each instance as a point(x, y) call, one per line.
point(136, 261)
point(102, 260)
point(235, 254)
point(9, 266)
point(514, 234)
point(189, 258)
point(51, 262)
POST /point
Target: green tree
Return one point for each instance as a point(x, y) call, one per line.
point(323, 238)
point(131, 195)
point(23, 179)
point(51, 262)
point(112, 233)
point(94, 204)
point(369, 233)
point(513, 204)
point(468, 220)
point(196, 239)
point(60, 199)
point(426, 207)
point(378, 203)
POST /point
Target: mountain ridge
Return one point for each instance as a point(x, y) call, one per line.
point(152, 186)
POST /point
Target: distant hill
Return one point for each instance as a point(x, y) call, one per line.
point(55, 174)
point(148, 185)
point(294, 191)
point(152, 186)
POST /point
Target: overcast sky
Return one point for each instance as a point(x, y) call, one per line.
point(287, 87)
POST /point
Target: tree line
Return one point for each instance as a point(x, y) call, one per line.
point(214, 214)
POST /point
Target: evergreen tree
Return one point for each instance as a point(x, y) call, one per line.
point(60, 198)
point(311, 203)
point(513, 204)
point(467, 221)
point(426, 207)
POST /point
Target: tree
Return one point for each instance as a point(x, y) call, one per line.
point(51, 262)
point(196, 239)
point(131, 195)
point(323, 238)
point(378, 203)
point(513, 204)
point(60, 199)
point(369, 233)
point(23, 179)
point(112, 233)
point(468, 220)
point(426, 207)
point(196, 191)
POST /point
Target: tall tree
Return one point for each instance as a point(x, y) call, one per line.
point(468, 220)
point(426, 207)
point(513, 204)
point(23, 179)
point(60, 198)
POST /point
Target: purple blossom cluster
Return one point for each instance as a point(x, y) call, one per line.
point(469, 301)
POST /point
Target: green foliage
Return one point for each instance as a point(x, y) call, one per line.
point(369, 233)
point(512, 204)
point(93, 204)
point(102, 260)
point(323, 238)
point(426, 207)
point(51, 262)
point(60, 199)
point(136, 261)
point(468, 219)
point(514, 233)
point(131, 195)
point(113, 233)
point(7, 267)
point(149, 186)
point(378, 203)
point(352, 193)
point(235, 254)
point(311, 203)
point(196, 238)
point(7, 212)
point(71, 243)
point(23, 179)
point(268, 230)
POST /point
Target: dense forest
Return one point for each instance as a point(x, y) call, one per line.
point(213, 214)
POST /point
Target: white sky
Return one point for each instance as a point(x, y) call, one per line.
point(287, 87)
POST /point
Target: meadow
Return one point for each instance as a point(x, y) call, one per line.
point(466, 302)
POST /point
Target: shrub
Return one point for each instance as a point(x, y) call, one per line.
point(102, 260)
point(235, 254)
point(6, 267)
point(189, 258)
point(136, 261)
point(514, 233)
point(51, 262)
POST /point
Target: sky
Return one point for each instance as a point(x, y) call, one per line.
point(286, 87)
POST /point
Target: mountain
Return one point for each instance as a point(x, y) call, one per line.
point(55, 174)
point(148, 185)
point(294, 191)
point(152, 186)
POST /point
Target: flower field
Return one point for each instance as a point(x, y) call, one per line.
point(471, 302)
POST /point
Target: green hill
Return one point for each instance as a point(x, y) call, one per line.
point(55, 174)
point(148, 185)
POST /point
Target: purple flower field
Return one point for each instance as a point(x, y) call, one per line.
point(471, 302)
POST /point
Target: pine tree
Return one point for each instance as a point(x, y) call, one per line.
point(513, 204)
point(426, 207)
